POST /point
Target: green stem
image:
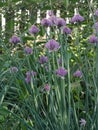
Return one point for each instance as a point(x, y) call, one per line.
point(69, 90)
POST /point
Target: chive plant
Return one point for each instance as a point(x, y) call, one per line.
point(51, 86)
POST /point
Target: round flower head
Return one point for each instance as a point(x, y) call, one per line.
point(82, 122)
point(15, 39)
point(60, 22)
point(77, 18)
point(53, 19)
point(96, 26)
point(96, 12)
point(28, 50)
point(61, 72)
point(43, 59)
point(66, 30)
point(47, 87)
point(93, 39)
point(46, 22)
point(28, 76)
point(52, 45)
point(13, 69)
point(50, 13)
point(78, 73)
point(34, 30)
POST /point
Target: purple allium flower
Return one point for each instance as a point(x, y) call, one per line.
point(60, 22)
point(61, 72)
point(66, 30)
point(96, 26)
point(96, 12)
point(28, 50)
point(53, 19)
point(34, 30)
point(78, 73)
point(50, 13)
point(47, 87)
point(43, 59)
point(52, 45)
point(77, 18)
point(28, 76)
point(13, 69)
point(82, 122)
point(15, 39)
point(93, 39)
point(46, 22)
